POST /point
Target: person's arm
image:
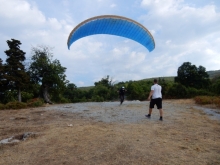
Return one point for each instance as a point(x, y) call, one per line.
point(150, 94)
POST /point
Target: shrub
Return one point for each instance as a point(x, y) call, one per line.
point(2, 106)
point(15, 105)
point(36, 102)
point(9, 96)
point(25, 96)
point(207, 100)
point(177, 91)
point(216, 101)
point(97, 98)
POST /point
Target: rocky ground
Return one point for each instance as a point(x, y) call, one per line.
point(109, 133)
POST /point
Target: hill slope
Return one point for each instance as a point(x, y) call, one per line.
point(212, 74)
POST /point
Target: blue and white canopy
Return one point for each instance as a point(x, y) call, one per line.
point(113, 25)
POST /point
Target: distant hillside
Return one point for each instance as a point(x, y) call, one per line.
point(170, 78)
point(86, 88)
point(212, 74)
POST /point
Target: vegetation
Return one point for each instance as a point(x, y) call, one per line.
point(36, 102)
point(191, 76)
point(203, 100)
point(14, 69)
point(47, 72)
point(43, 80)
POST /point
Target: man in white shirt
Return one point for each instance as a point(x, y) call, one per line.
point(156, 95)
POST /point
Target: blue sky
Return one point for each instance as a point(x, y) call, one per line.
point(184, 31)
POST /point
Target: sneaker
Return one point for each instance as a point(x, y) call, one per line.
point(148, 116)
point(161, 119)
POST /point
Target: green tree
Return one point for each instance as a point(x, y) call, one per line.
point(191, 76)
point(177, 90)
point(135, 91)
point(2, 81)
point(165, 86)
point(47, 72)
point(1, 74)
point(105, 89)
point(107, 82)
point(215, 87)
point(71, 92)
point(15, 73)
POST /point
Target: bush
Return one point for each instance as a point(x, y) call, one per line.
point(25, 96)
point(36, 102)
point(216, 101)
point(202, 100)
point(97, 98)
point(2, 106)
point(9, 96)
point(15, 105)
point(177, 91)
point(63, 100)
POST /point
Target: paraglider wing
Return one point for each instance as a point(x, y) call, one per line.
point(113, 25)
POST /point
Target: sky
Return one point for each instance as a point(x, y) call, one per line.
point(183, 30)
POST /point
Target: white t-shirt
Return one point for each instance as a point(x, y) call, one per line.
point(157, 91)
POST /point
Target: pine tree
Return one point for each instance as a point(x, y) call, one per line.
point(16, 76)
point(2, 80)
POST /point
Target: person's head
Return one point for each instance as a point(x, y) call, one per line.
point(155, 81)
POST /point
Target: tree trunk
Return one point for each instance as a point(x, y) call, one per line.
point(46, 94)
point(19, 94)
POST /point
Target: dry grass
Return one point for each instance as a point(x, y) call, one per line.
point(190, 137)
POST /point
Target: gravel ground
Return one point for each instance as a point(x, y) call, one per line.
point(129, 111)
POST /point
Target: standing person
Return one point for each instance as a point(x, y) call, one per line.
point(156, 95)
point(122, 94)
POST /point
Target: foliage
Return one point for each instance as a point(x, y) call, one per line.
point(59, 98)
point(26, 96)
point(47, 72)
point(103, 90)
point(177, 91)
point(97, 98)
point(191, 76)
point(2, 80)
point(215, 86)
point(36, 102)
point(203, 100)
point(9, 96)
point(15, 105)
point(71, 93)
point(166, 85)
point(15, 74)
point(2, 106)
point(135, 91)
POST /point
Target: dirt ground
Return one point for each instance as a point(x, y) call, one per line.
point(109, 133)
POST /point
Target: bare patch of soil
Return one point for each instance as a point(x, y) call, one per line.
point(107, 133)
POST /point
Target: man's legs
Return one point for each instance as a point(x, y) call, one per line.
point(161, 114)
point(121, 98)
point(151, 106)
point(149, 113)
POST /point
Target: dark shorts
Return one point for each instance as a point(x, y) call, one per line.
point(157, 101)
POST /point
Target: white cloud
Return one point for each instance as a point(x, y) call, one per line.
point(182, 31)
point(21, 12)
point(113, 5)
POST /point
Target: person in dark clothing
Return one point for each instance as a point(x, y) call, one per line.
point(122, 94)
